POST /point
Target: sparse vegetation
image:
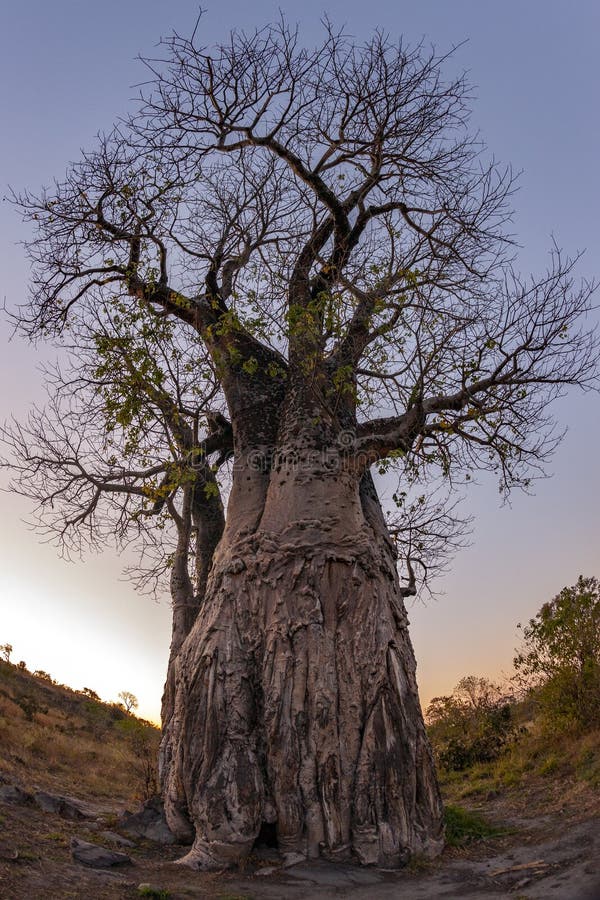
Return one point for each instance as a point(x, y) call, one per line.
point(550, 769)
point(90, 693)
point(62, 739)
point(463, 827)
point(30, 706)
point(141, 747)
point(148, 890)
point(44, 676)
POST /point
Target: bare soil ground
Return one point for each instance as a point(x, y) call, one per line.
point(551, 850)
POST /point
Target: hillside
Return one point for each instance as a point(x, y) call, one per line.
point(524, 826)
point(56, 738)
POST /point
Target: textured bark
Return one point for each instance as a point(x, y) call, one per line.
point(295, 694)
point(203, 513)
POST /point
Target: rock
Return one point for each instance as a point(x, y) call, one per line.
point(96, 857)
point(62, 806)
point(10, 793)
point(116, 838)
point(149, 823)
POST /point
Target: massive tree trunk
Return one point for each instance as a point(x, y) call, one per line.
point(200, 521)
point(295, 700)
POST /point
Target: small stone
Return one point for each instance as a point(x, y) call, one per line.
point(10, 793)
point(149, 823)
point(96, 857)
point(268, 870)
point(116, 838)
point(62, 806)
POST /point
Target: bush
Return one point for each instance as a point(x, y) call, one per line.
point(463, 827)
point(142, 740)
point(90, 693)
point(97, 716)
point(44, 676)
point(475, 724)
point(30, 706)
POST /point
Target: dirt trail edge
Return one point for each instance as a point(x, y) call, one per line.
point(550, 857)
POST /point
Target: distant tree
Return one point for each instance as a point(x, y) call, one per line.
point(129, 700)
point(6, 650)
point(560, 657)
point(473, 724)
point(22, 665)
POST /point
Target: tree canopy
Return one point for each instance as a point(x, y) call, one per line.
point(318, 215)
point(560, 656)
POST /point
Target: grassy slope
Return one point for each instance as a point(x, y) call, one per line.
point(540, 775)
point(57, 739)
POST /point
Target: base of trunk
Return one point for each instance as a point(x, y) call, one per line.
point(296, 704)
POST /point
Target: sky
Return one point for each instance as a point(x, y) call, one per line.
point(68, 69)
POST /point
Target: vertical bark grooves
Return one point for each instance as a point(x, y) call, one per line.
point(296, 699)
point(202, 510)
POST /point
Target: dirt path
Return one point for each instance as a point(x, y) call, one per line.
point(554, 856)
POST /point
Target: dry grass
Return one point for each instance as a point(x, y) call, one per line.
point(550, 771)
point(57, 739)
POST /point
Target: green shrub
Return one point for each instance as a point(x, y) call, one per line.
point(147, 890)
point(464, 827)
point(474, 725)
point(559, 661)
point(550, 765)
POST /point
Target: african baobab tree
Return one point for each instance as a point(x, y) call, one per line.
point(324, 224)
point(127, 450)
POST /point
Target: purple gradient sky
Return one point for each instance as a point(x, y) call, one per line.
point(67, 69)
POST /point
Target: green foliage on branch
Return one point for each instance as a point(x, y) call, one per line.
point(560, 657)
